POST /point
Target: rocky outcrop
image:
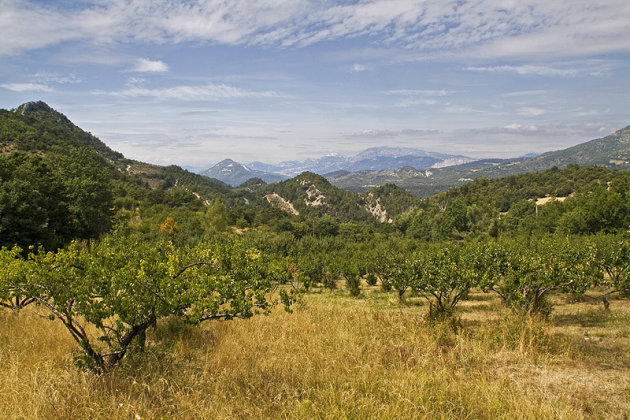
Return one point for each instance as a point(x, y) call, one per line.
point(279, 202)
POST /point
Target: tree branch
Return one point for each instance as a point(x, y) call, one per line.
point(498, 292)
point(186, 267)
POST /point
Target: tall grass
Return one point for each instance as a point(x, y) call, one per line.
point(333, 358)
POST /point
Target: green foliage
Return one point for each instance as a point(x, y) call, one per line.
point(50, 201)
point(530, 268)
point(109, 293)
point(326, 226)
point(371, 279)
point(394, 199)
point(398, 270)
point(217, 216)
point(442, 278)
point(330, 277)
point(612, 256)
point(590, 200)
point(420, 226)
point(352, 269)
point(353, 283)
point(37, 127)
point(14, 271)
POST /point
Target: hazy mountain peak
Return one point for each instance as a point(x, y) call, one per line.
point(228, 165)
point(235, 173)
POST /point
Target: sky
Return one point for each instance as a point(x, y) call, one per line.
point(192, 82)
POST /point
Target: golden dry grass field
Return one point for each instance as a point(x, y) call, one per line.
point(335, 357)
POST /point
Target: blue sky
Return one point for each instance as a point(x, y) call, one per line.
point(193, 82)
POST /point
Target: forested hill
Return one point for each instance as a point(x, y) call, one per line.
point(59, 182)
point(311, 195)
point(36, 127)
point(502, 193)
point(575, 199)
point(612, 151)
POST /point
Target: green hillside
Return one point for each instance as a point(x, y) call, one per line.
point(573, 200)
point(36, 127)
point(612, 151)
point(311, 195)
point(60, 182)
point(390, 201)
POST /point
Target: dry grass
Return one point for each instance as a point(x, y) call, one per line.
point(336, 357)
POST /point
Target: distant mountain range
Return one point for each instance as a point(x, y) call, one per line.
point(611, 151)
point(375, 158)
point(425, 173)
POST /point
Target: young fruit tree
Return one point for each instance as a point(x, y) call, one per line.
point(14, 270)
point(443, 277)
point(530, 269)
point(611, 255)
point(107, 294)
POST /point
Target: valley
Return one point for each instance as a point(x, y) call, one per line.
point(157, 292)
point(314, 209)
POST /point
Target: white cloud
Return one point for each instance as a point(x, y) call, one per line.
point(407, 103)
point(458, 109)
point(481, 29)
point(41, 82)
point(521, 128)
point(565, 29)
point(26, 27)
point(418, 92)
point(530, 111)
point(562, 69)
point(144, 65)
point(526, 70)
point(134, 81)
point(359, 67)
point(407, 132)
point(416, 97)
point(208, 92)
point(27, 87)
point(46, 77)
point(533, 92)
